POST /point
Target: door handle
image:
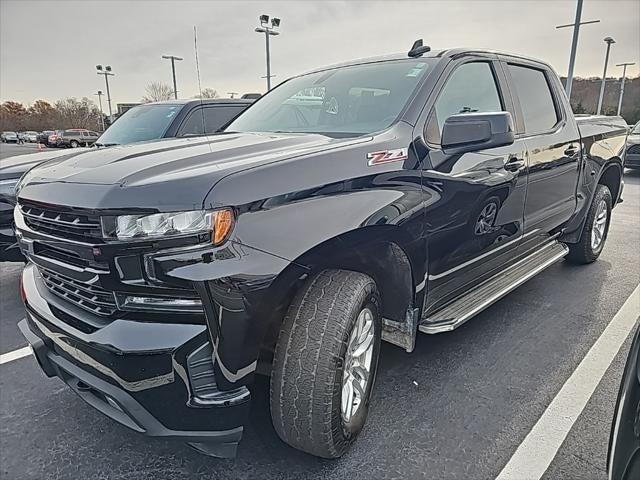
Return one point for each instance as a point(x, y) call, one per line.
point(571, 151)
point(514, 164)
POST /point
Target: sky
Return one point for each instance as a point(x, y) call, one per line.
point(49, 48)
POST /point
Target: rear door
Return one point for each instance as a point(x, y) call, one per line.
point(475, 200)
point(553, 142)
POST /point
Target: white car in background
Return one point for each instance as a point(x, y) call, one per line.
point(30, 136)
point(9, 137)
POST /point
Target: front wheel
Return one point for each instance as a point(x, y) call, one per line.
point(74, 144)
point(325, 363)
point(595, 230)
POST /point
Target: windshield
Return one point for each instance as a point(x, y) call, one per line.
point(141, 123)
point(636, 129)
point(347, 101)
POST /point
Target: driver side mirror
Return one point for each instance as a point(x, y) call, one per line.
point(469, 132)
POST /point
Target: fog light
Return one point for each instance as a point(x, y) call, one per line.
point(160, 303)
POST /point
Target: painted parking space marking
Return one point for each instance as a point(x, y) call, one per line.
point(14, 355)
point(540, 446)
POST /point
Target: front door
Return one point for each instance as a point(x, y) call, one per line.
point(474, 215)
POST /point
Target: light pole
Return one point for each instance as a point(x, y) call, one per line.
point(624, 74)
point(574, 44)
point(173, 59)
point(99, 94)
point(609, 41)
point(268, 31)
point(232, 94)
point(106, 71)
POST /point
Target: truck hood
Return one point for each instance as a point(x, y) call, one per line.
point(166, 174)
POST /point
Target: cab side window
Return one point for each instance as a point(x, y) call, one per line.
point(536, 101)
point(471, 87)
point(211, 118)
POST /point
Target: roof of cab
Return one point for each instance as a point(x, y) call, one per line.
point(444, 53)
point(204, 101)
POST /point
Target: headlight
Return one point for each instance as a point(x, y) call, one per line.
point(8, 187)
point(217, 223)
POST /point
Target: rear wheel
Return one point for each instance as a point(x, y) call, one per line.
point(595, 230)
point(325, 363)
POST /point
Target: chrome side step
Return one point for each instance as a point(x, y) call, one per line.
point(459, 311)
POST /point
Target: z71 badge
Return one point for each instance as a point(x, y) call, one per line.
point(387, 156)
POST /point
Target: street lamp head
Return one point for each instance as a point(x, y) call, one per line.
point(99, 92)
point(609, 40)
point(108, 68)
point(264, 19)
point(275, 22)
point(99, 68)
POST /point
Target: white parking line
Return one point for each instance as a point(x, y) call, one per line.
point(15, 355)
point(540, 446)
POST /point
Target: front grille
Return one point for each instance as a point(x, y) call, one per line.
point(634, 149)
point(61, 223)
point(85, 295)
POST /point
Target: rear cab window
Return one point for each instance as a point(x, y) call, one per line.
point(540, 111)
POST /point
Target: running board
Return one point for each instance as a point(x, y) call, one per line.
point(459, 311)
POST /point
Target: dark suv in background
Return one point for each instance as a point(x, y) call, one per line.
point(43, 137)
point(174, 118)
point(632, 156)
point(76, 137)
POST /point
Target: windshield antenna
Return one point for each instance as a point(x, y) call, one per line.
point(195, 46)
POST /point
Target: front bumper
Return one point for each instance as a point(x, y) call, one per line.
point(139, 374)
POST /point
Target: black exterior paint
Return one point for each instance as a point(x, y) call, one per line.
point(303, 203)
point(623, 459)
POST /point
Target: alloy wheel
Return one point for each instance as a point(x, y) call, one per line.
point(357, 368)
point(599, 225)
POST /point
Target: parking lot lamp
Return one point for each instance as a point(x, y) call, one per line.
point(609, 41)
point(574, 44)
point(268, 31)
point(99, 94)
point(173, 59)
point(624, 74)
point(106, 71)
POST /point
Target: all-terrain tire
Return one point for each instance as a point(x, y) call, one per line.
point(309, 361)
point(583, 251)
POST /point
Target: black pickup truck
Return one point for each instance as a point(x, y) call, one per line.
point(363, 202)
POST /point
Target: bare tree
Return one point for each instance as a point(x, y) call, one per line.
point(74, 113)
point(12, 116)
point(156, 92)
point(208, 93)
point(41, 116)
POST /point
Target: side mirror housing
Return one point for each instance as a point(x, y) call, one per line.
point(468, 132)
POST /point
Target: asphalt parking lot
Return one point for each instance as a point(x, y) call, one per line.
point(458, 407)
point(10, 149)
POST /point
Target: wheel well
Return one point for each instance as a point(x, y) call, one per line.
point(368, 251)
point(611, 178)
